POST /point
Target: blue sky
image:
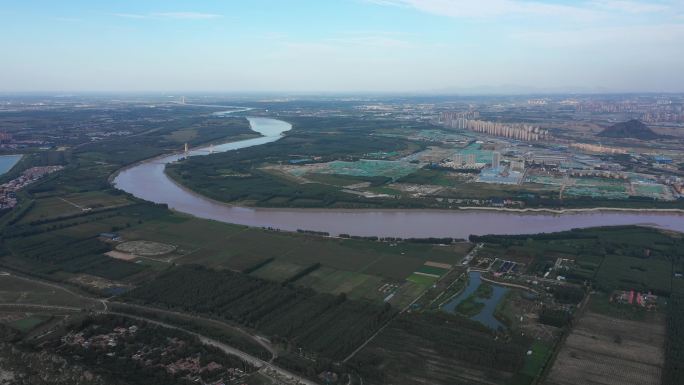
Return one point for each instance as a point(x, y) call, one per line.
point(341, 45)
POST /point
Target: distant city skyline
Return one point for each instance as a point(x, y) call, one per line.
point(343, 46)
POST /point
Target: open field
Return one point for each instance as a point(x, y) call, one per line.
point(278, 271)
point(66, 247)
point(60, 248)
point(28, 323)
point(534, 363)
point(438, 349)
point(329, 325)
point(19, 290)
point(604, 350)
point(425, 280)
point(355, 267)
point(73, 204)
point(355, 285)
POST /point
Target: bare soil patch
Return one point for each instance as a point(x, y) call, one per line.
point(120, 255)
point(606, 350)
point(146, 248)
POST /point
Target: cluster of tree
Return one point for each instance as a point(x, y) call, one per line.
point(48, 248)
point(673, 372)
point(160, 347)
point(568, 294)
point(583, 202)
point(257, 265)
point(51, 252)
point(429, 240)
point(123, 150)
point(555, 317)
point(9, 334)
point(34, 227)
point(342, 139)
point(433, 240)
point(301, 273)
point(360, 237)
point(304, 365)
point(204, 327)
point(313, 232)
point(513, 239)
point(610, 258)
point(331, 326)
point(19, 212)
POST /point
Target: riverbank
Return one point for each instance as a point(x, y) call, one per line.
point(573, 211)
point(148, 181)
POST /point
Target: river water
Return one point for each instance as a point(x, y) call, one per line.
point(148, 181)
point(7, 162)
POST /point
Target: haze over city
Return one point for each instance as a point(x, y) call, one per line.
point(443, 46)
point(342, 192)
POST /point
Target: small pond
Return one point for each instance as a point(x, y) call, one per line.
point(7, 162)
point(486, 315)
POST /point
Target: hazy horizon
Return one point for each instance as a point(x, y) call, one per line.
point(343, 46)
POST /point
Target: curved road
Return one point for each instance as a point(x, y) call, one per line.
point(256, 338)
point(268, 368)
point(280, 374)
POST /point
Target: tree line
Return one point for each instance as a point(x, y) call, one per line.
point(323, 325)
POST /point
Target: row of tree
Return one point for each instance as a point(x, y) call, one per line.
point(321, 324)
point(673, 373)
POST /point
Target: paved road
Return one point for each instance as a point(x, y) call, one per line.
point(279, 374)
point(258, 339)
point(264, 366)
point(40, 307)
point(105, 308)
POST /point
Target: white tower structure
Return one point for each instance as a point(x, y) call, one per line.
point(496, 159)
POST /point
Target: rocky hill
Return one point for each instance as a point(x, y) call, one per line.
point(631, 129)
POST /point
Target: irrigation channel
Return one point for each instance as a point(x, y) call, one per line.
point(147, 180)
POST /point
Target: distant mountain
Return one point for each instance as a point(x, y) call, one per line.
point(631, 129)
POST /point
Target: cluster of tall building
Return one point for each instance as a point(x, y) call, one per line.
point(518, 165)
point(515, 165)
point(663, 116)
point(496, 159)
point(468, 120)
point(5, 137)
point(519, 131)
point(464, 159)
point(450, 118)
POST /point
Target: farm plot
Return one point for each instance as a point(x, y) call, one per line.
point(438, 349)
point(28, 323)
point(277, 271)
point(605, 350)
point(355, 267)
point(55, 207)
point(19, 290)
point(355, 285)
